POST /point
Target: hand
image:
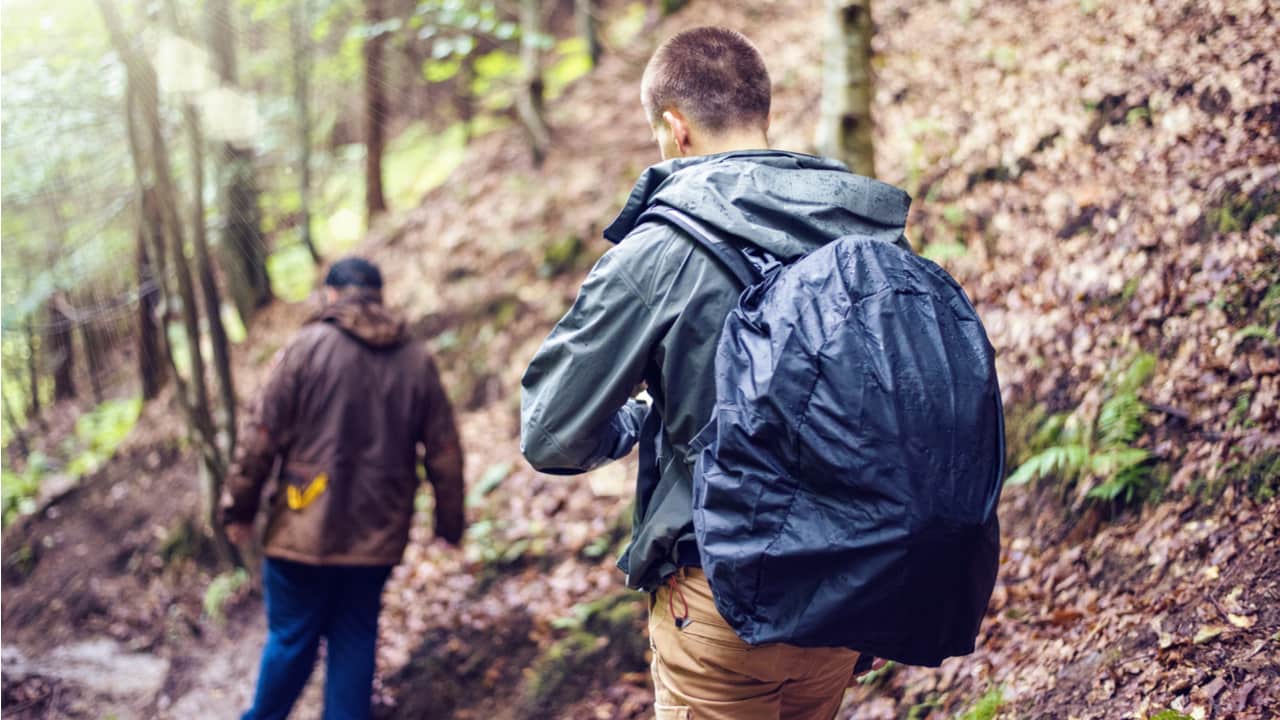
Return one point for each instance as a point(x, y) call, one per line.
point(239, 533)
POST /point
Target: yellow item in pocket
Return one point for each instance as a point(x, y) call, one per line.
point(300, 499)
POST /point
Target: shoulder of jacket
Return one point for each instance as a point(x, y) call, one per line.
point(314, 333)
point(653, 255)
point(645, 245)
point(308, 339)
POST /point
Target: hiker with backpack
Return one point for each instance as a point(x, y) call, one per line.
point(822, 456)
point(352, 407)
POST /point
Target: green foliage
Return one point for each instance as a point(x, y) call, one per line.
point(66, 173)
point(1239, 211)
point(1004, 57)
point(919, 132)
point(184, 540)
point(1258, 475)
point(1170, 714)
point(97, 435)
point(953, 214)
point(415, 162)
point(1240, 411)
point(627, 24)
point(101, 430)
point(561, 256)
point(1270, 305)
point(987, 707)
point(878, 675)
point(292, 273)
point(671, 6)
point(1256, 331)
point(922, 709)
point(941, 252)
point(488, 482)
point(221, 589)
point(596, 632)
point(487, 544)
point(419, 160)
point(1097, 450)
point(19, 490)
point(571, 62)
point(614, 541)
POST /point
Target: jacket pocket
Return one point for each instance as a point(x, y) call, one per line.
point(299, 494)
point(713, 633)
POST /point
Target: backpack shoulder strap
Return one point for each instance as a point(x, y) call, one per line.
point(733, 261)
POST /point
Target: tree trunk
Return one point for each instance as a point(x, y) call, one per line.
point(155, 357)
point(150, 363)
point(463, 99)
point(142, 78)
point(33, 369)
point(208, 286)
point(204, 267)
point(299, 31)
point(244, 250)
point(375, 112)
point(92, 353)
point(60, 349)
point(213, 473)
point(588, 28)
point(141, 93)
point(845, 125)
point(529, 101)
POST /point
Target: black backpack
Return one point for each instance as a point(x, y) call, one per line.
point(846, 485)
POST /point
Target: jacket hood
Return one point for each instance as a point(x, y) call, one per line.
point(363, 316)
point(784, 203)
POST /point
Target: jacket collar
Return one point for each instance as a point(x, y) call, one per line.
point(361, 314)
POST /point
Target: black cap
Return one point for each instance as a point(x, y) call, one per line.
point(354, 272)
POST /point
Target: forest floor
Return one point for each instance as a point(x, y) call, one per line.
point(1097, 176)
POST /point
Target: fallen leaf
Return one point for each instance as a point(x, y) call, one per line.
point(1207, 633)
point(1242, 621)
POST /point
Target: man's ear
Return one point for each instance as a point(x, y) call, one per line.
point(679, 130)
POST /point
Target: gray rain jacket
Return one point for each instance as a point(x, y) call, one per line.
point(651, 312)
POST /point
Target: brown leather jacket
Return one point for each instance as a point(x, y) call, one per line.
point(347, 407)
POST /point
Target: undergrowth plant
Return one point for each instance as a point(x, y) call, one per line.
point(1095, 451)
point(987, 707)
point(221, 589)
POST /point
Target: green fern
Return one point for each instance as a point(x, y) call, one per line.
point(1065, 461)
point(1120, 420)
point(1075, 448)
point(1139, 373)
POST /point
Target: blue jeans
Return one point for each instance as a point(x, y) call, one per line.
point(304, 604)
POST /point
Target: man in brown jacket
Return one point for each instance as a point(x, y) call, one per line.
point(346, 409)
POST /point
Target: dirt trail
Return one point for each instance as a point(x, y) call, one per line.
point(1022, 135)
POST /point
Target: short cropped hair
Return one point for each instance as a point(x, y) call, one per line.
point(713, 75)
point(354, 272)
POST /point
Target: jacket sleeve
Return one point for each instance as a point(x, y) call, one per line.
point(575, 413)
point(263, 436)
point(443, 459)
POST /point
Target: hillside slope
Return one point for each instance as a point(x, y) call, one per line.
point(1101, 178)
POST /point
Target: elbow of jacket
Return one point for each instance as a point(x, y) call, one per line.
point(544, 455)
point(538, 455)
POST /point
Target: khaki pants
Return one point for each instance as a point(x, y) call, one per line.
point(704, 671)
